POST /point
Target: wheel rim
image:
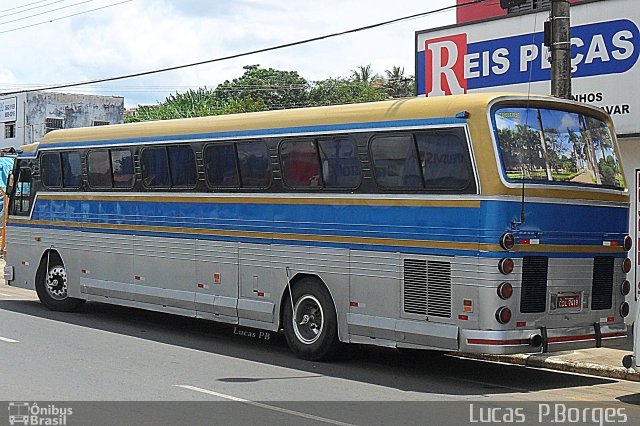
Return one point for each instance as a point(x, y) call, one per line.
point(308, 319)
point(56, 283)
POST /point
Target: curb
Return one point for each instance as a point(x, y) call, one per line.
point(548, 361)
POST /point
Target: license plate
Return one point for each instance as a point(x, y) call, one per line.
point(564, 302)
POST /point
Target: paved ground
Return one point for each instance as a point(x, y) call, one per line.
point(110, 353)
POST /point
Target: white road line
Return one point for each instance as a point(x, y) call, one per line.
point(4, 339)
point(265, 406)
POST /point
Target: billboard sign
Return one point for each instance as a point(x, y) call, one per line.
point(8, 110)
point(502, 55)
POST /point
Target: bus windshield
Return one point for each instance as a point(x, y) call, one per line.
point(556, 146)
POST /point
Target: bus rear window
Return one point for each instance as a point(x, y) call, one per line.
point(550, 145)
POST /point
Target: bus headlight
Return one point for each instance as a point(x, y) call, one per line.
point(505, 290)
point(503, 315)
point(505, 266)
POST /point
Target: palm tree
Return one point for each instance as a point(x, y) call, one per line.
point(364, 74)
point(398, 84)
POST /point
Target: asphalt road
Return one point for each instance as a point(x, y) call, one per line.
point(226, 375)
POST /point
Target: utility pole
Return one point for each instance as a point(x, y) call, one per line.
point(560, 41)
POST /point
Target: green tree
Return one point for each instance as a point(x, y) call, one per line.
point(364, 74)
point(397, 84)
point(277, 89)
point(334, 91)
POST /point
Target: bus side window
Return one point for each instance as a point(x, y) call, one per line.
point(300, 163)
point(254, 165)
point(444, 159)
point(395, 162)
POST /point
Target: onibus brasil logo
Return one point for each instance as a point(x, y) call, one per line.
point(24, 413)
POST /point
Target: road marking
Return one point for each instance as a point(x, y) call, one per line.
point(4, 339)
point(265, 406)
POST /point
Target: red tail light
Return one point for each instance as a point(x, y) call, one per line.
point(507, 241)
point(625, 288)
point(505, 290)
point(624, 309)
point(503, 315)
point(628, 243)
point(505, 266)
point(626, 265)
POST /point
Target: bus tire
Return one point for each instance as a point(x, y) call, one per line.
point(51, 285)
point(314, 334)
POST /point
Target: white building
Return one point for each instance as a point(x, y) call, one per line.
point(27, 117)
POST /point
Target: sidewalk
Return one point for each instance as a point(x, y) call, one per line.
point(604, 362)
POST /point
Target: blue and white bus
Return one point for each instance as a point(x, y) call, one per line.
point(492, 223)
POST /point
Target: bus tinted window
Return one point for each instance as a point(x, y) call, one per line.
point(253, 161)
point(300, 163)
point(182, 162)
point(98, 167)
point(444, 160)
point(395, 162)
point(50, 170)
point(556, 146)
point(220, 164)
point(122, 165)
point(155, 168)
point(339, 159)
point(71, 170)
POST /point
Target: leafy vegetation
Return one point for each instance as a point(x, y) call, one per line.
point(263, 89)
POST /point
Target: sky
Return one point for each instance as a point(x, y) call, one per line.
point(129, 36)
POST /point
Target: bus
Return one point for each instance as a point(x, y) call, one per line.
point(484, 223)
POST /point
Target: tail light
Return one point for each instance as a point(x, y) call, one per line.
point(625, 288)
point(624, 309)
point(507, 241)
point(503, 315)
point(505, 266)
point(505, 290)
point(628, 243)
point(626, 265)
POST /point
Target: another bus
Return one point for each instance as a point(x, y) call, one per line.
point(490, 223)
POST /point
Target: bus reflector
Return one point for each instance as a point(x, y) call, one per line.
point(521, 324)
point(37, 238)
point(611, 319)
point(353, 304)
point(467, 305)
point(463, 317)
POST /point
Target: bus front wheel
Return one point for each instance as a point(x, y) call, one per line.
point(52, 285)
point(310, 322)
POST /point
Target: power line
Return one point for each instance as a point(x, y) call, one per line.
point(44, 13)
point(64, 17)
point(24, 5)
point(31, 8)
point(252, 52)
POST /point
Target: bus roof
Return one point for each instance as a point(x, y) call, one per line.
point(398, 109)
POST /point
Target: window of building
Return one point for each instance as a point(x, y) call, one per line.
point(51, 124)
point(221, 167)
point(10, 130)
point(100, 123)
point(253, 164)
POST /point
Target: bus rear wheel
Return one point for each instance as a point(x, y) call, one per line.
point(52, 285)
point(311, 325)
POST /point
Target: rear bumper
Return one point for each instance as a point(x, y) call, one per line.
point(542, 339)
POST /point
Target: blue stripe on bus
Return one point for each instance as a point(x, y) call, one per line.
point(257, 132)
point(553, 224)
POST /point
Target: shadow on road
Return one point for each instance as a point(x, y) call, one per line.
point(414, 371)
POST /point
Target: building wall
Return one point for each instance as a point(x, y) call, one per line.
point(75, 110)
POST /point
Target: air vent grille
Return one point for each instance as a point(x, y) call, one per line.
point(533, 298)
point(427, 288)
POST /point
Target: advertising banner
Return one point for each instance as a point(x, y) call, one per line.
point(508, 54)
